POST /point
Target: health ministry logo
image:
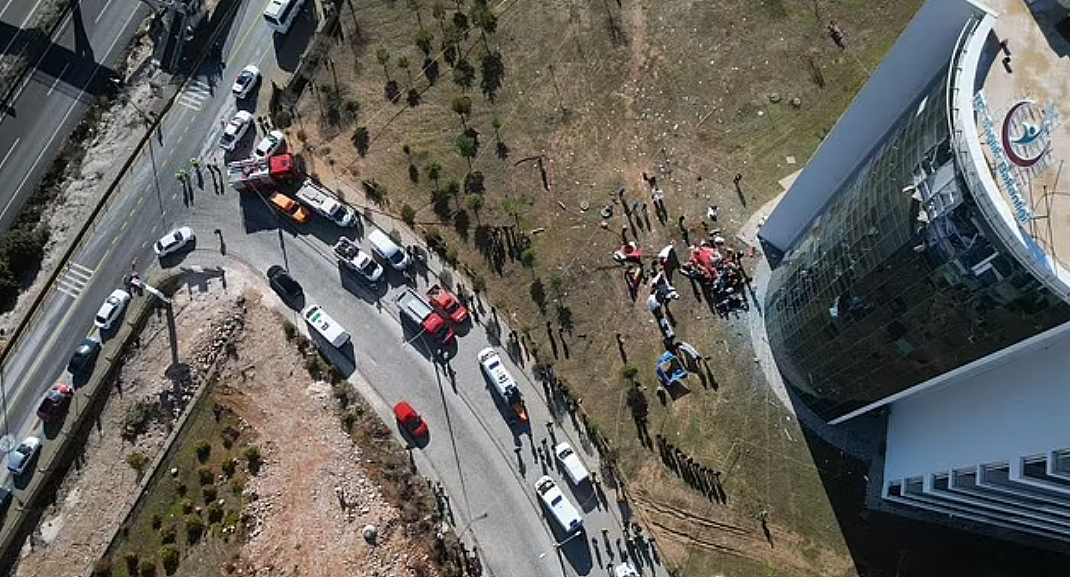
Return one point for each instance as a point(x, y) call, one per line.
point(1026, 134)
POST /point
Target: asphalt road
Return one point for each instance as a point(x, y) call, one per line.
point(472, 448)
point(52, 100)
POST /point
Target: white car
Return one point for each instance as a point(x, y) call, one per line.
point(246, 81)
point(20, 458)
point(235, 130)
point(574, 468)
point(270, 144)
point(562, 509)
point(174, 241)
point(113, 306)
point(625, 569)
point(367, 267)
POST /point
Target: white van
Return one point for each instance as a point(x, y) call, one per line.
point(388, 250)
point(560, 507)
point(325, 325)
point(571, 463)
point(280, 14)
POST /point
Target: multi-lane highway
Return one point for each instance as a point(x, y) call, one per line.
point(50, 101)
point(473, 450)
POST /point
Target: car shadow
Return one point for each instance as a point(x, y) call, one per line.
point(256, 214)
point(584, 494)
point(22, 481)
point(576, 549)
point(291, 46)
point(176, 258)
point(411, 441)
point(464, 328)
point(358, 286)
point(53, 428)
point(323, 229)
point(343, 358)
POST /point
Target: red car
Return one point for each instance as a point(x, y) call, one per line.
point(410, 419)
point(447, 304)
point(56, 402)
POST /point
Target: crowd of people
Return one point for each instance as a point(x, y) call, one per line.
point(698, 476)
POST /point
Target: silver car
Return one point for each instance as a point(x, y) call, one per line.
point(174, 241)
point(112, 308)
point(20, 458)
point(235, 130)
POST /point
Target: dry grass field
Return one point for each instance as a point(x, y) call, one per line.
point(597, 93)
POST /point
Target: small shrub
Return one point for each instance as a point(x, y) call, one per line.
point(527, 257)
point(451, 256)
point(187, 506)
point(289, 330)
point(375, 191)
point(156, 521)
point(181, 489)
point(203, 449)
point(169, 557)
point(479, 284)
point(629, 372)
point(237, 485)
point(167, 534)
point(147, 568)
point(434, 240)
point(131, 560)
point(229, 466)
point(138, 462)
point(215, 513)
point(194, 528)
point(282, 118)
point(408, 214)
point(210, 493)
point(538, 293)
point(252, 456)
point(205, 475)
point(361, 140)
point(302, 135)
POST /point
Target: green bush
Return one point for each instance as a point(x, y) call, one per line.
point(187, 506)
point(167, 534)
point(229, 466)
point(156, 521)
point(210, 493)
point(147, 568)
point(138, 462)
point(131, 559)
point(215, 513)
point(205, 475)
point(289, 330)
point(169, 557)
point(203, 449)
point(102, 568)
point(252, 456)
point(181, 489)
point(408, 214)
point(194, 528)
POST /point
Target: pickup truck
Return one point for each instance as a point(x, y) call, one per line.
point(447, 304)
point(325, 204)
point(358, 261)
point(420, 313)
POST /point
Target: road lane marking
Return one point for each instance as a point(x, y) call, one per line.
point(36, 66)
point(74, 280)
point(4, 161)
point(75, 103)
point(58, 78)
point(237, 48)
point(195, 94)
point(102, 11)
point(21, 27)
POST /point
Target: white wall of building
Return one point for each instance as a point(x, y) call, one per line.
point(1002, 410)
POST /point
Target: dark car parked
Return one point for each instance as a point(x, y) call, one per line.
point(56, 402)
point(285, 286)
point(84, 357)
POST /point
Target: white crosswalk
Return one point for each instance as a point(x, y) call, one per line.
point(74, 280)
point(195, 94)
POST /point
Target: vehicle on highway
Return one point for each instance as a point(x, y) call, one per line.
point(174, 241)
point(325, 326)
point(290, 207)
point(280, 14)
point(323, 202)
point(235, 130)
point(503, 381)
point(247, 79)
point(411, 420)
point(19, 459)
point(418, 312)
point(270, 144)
point(562, 510)
point(571, 463)
point(56, 402)
point(358, 261)
point(385, 248)
point(447, 305)
point(288, 289)
point(84, 357)
point(112, 308)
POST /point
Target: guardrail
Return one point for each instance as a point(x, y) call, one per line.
point(88, 400)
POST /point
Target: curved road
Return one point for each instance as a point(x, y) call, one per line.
point(472, 451)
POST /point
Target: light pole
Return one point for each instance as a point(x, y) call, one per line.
point(152, 156)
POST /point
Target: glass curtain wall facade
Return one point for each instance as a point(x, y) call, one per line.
point(898, 280)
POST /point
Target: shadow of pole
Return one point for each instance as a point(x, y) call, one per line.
point(172, 333)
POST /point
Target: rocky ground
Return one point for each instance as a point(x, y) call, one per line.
point(313, 502)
